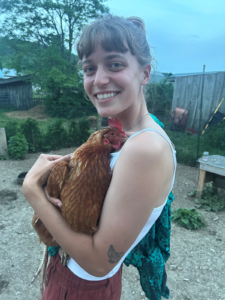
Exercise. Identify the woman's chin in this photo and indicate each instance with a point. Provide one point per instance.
(105, 112)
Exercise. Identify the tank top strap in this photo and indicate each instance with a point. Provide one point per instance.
(114, 156)
(171, 146)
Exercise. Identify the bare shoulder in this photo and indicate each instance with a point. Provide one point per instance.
(148, 145)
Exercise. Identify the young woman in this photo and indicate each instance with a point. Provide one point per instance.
(116, 62)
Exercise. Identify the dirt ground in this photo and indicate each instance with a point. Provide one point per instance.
(38, 113)
(195, 269)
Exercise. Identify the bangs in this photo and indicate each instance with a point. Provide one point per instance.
(110, 37)
(114, 33)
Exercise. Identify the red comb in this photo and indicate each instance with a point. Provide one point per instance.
(115, 123)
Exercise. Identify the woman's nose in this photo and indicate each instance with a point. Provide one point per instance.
(101, 77)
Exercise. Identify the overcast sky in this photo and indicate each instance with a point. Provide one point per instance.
(184, 34)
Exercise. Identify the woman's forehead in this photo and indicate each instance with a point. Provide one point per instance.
(105, 54)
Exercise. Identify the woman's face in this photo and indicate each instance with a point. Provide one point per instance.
(113, 81)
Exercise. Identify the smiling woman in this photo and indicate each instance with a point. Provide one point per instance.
(116, 61)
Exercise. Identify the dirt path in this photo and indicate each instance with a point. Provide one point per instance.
(195, 269)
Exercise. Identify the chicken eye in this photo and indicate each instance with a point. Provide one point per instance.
(112, 133)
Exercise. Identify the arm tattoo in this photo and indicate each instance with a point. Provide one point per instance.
(113, 255)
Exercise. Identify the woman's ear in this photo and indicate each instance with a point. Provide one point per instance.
(146, 74)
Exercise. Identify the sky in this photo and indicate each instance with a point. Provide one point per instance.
(184, 35)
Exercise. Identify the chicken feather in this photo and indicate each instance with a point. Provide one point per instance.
(82, 183)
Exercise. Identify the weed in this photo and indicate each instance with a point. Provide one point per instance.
(188, 218)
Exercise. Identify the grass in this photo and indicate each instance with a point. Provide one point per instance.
(4, 119)
(186, 147)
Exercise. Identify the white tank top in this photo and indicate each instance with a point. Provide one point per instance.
(77, 270)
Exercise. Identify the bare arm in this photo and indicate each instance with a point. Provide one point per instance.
(141, 168)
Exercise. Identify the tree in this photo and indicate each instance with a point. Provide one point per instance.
(38, 38)
(41, 20)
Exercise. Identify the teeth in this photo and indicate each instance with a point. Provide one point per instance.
(105, 96)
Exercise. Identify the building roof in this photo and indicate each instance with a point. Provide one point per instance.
(15, 79)
(173, 77)
(156, 77)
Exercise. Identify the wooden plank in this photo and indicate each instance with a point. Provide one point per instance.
(213, 169)
(201, 182)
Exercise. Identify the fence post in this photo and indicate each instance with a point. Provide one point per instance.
(3, 142)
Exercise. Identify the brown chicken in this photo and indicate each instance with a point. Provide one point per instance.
(82, 183)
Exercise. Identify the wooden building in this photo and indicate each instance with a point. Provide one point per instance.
(187, 94)
(16, 92)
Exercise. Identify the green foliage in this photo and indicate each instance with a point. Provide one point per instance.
(37, 37)
(84, 127)
(211, 200)
(186, 147)
(215, 135)
(73, 135)
(55, 137)
(188, 218)
(17, 146)
(11, 129)
(3, 157)
(159, 97)
(67, 104)
(32, 133)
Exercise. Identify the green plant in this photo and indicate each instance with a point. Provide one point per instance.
(11, 129)
(215, 135)
(17, 146)
(188, 218)
(84, 127)
(3, 157)
(55, 137)
(32, 133)
(211, 200)
(159, 97)
(73, 136)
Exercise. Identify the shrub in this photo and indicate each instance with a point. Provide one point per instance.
(73, 136)
(55, 137)
(32, 133)
(159, 97)
(215, 136)
(188, 218)
(17, 146)
(11, 129)
(84, 127)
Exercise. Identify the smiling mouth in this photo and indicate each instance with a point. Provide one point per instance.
(106, 95)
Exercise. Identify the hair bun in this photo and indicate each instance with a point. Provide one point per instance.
(137, 22)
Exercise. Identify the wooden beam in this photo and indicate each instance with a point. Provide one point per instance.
(201, 183)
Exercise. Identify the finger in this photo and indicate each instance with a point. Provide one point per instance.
(55, 201)
(59, 158)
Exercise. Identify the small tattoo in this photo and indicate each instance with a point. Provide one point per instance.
(113, 255)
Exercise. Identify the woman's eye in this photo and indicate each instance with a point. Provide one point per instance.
(88, 70)
(116, 65)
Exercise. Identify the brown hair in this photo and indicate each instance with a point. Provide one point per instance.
(116, 34)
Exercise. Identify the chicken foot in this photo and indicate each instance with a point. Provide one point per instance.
(42, 264)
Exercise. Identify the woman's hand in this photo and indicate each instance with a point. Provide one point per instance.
(38, 175)
(55, 201)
